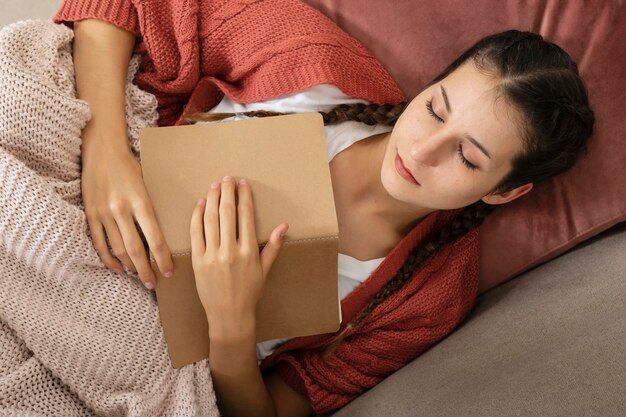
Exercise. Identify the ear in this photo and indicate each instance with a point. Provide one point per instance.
(507, 196)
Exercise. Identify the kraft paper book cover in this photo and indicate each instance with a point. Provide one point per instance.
(284, 158)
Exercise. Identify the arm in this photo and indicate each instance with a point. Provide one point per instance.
(102, 52)
(230, 274)
(239, 386)
(111, 180)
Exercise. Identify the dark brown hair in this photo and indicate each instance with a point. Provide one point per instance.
(537, 78)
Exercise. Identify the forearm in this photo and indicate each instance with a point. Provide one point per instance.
(101, 53)
(236, 376)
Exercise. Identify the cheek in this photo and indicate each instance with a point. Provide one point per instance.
(413, 123)
(453, 186)
(418, 128)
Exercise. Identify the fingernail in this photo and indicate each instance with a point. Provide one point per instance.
(227, 178)
(243, 181)
(283, 232)
(216, 184)
(149, 285)
(119, 270)
(169, 274)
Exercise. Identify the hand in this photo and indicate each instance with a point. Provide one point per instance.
(229, 273)
(114, 195)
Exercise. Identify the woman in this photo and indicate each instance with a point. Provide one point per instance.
(508, 113)
(527, 118)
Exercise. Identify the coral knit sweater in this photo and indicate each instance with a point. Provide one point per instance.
(196, 51)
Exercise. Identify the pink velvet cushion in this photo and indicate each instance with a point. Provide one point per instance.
(416, 40)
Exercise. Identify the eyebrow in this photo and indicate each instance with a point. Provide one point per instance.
(467, 136)
(478, 145)
(445, 98)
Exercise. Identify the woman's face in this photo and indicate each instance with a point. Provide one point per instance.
(461, 151)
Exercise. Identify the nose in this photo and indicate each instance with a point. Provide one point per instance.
(428, 151)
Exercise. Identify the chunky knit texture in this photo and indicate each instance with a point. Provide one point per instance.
(78, 339)
(75, 338)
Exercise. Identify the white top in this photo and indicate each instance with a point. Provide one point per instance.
(352, 272)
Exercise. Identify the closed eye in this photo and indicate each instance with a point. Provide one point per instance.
(465, 161)
(429, 107)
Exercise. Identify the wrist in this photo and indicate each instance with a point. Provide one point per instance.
(232, 330)
(105, 140)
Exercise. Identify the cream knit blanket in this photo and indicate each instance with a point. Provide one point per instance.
(76, 339)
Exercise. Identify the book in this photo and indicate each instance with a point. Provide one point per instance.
(284, 159)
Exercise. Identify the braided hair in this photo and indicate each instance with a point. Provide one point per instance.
(370, 114)
(539, 79)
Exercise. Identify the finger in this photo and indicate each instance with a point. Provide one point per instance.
(228, 217)
(100, 245)
(212, 219)
(117, 243)
(136, 251)
(272, 248)
(245, 215)
(156, 241)
(197, 229)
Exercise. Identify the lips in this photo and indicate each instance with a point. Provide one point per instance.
(404, 173)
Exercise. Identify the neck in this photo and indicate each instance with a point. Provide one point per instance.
(370, 194)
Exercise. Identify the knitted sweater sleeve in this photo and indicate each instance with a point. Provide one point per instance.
(121, 13)
(409, 322)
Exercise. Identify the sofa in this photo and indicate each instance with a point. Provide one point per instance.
(546, 337)
(549, 342)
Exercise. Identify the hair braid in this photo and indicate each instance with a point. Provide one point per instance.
(581, 112)
(471, 217)
(370, 114)
(213, 117)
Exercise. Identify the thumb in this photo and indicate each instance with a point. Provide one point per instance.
(272, 248)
